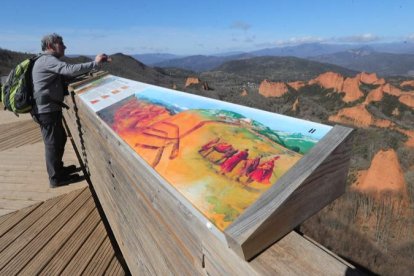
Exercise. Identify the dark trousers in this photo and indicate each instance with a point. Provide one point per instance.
(54, 137)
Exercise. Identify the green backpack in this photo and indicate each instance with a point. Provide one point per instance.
(17, 91)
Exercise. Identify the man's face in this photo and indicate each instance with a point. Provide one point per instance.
(58, 49)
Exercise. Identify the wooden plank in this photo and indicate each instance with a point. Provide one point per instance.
(4, 212)
(10, 234)
(308, 257)
(45, 189)
(41, 258)
(4, 128)
(30, 187)
(10, 173)
(16, 204)
(80, 261)
(114, 268)
(316, 180)
(46, 234)
(9, 117)
(220, 260)
(16, 218)
(58, 263)
(25, 195)
(21, 142)
(15, 239)
(101, 260)
(291, 255)
(18, 134)
(24, 181)
(326, 250)
(5, 217)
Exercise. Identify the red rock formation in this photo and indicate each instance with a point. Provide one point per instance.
(351, 89)
(296, 85)
(350, 86)
(375, 95)
(272, 89)
(370, 78)
(329, 80)
(358, 116)
(407, 99)
(408, 83)
(392, 90)
(191, 81)
(384, 174)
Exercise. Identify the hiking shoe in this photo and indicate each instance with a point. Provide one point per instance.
(65, 180)
(70, 169)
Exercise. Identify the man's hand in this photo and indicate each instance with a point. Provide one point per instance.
(102, 58)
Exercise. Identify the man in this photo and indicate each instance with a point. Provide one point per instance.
(49, 91)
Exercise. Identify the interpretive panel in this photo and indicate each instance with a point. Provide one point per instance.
(220, 156)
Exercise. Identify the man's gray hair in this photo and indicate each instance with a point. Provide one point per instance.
(50, 39)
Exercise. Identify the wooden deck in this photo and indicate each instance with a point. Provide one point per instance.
(61, 236)
(23, 176)
(46, 231)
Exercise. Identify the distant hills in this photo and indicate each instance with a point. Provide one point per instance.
(8, 59)
(201, 63)
(241, 67)
(151, 59)
(384, 59)
(279, 68)
(381, 63)
(368, 60)
(303, 50)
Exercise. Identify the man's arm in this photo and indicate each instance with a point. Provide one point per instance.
(60, 67)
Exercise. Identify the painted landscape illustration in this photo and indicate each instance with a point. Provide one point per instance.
(220, 160)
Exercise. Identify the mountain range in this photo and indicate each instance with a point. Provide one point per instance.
(368, 60)
(380, 61)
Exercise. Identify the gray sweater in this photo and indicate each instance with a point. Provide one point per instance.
(47, 81)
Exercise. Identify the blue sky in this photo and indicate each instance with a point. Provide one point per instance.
(201, 27)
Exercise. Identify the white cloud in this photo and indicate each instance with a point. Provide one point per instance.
(410, 37)
(316, 39)
(298, 40)
(359, 38)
